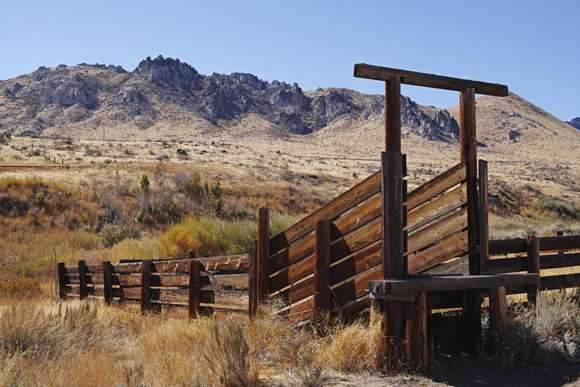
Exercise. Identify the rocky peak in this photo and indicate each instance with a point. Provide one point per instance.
(169, 71)
(575, 123)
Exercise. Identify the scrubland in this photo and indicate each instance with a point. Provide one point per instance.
(65, 200)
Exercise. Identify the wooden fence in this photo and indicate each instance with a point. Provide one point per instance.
(216, 286)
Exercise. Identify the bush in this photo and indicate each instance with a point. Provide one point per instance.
(113, 234)
(557, 208)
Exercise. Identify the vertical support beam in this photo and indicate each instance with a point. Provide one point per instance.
(497, 316)
(471, 319)
(61, 281)
(322, 266)
(417, 334)
(83, 280)
(194, 288)
(483, 217)
(533, 265)
(146, 285)
(253, 280)
(263, 253)
(108, 282)
(393, 114)
(392, 213)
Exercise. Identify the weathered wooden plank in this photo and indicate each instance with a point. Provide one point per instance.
(393, 114)
(355, 304)
(483, 217)
(357, 263)
(355, 287)
(443, 283)
(253, 280)
(107, 282)
(506, 265)
(357, 218)
(334, 208)
(231, 298)
(302, 311)
(362, 70)
(563, 281)
(441, 229)
(436, 186)
(508, 246)
(437, 206)
(555, 261)
(566, 242)
(83, 279)
(146, 294)
(498, 321)
(62, 280)
(448, 249)
(263, 253)
(295, 253)
(392, 216)
(322, 266)
(460, 266)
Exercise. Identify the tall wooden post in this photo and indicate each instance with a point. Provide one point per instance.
(468, 145)
(253, 280)
(83, 280)
(263, 253)
(61, 281)
(146, 285)
(533, 265)
(194, 288)
(108, 282)
(322, 266)
(483, 217)
(417, 334)
(392, 209)
(498, 322)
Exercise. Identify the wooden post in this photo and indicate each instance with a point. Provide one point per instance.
(61, 281)
(322, 267)
(417, 334)
(253, 280)
(194, 288)
(146, 285)
(263, 253)
(560, 233)
(498, 322)
(192, 255)
(471, 319)
(108, 282)
(393, 217)
(483, 217)
(393, 114)
(533, 265)
(82, 280)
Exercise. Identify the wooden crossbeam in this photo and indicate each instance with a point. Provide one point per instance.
(379, 73)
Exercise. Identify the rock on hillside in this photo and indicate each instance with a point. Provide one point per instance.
(575, 123)
(167, 92)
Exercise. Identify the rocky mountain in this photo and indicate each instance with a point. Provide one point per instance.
(164, 92)
(575, 123)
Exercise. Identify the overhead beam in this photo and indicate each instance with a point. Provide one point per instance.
(379, 73)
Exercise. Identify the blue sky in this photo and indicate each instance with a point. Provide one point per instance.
(531, 46)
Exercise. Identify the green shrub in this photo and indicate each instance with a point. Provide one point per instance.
(113, 234)
(557, 208)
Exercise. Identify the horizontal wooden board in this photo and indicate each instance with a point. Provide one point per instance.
(293, 254)
(333, 209)
(355, 287)
(436, 186)
(355, 304)
(459, 266)
(442, 283)
(507, 265)
(556, 261)
(441, 229)
(564, 281)
(301, 311)
(437, 254)
(507, 246)
(437, 206)
(362, 70)
(357, 218)
(566, 242)
(357, 263)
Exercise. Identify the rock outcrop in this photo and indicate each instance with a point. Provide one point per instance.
(575, 123)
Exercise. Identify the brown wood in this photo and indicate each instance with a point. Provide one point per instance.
(379, 73)
(62, 281)
(146, 269)
(471, 319)
(393, 114)
(507, 265)
(334, 208)
(436, 208)
(82, 279)
(194, 288)
(437, 254)
(357, 263)
(322, 266)
(357, 218)
(355, 287)
(392, 196)
(468, 146)
(416, 342)
(294, 253)
(555, 261)
(498, 321)
(483, 217)
(436, 186)
(441, 229)
(444, 283)
(533, 261)
(508, 246)
(215, 298)
(562, 281)
(567, 242)
(253, 280)
(459, 266)
(263, 253)
(107, 282)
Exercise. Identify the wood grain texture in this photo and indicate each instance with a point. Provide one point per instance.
(62, 281)
(107, 282)
(436, 208)
(392, 215)
(441, 229)
(437, 254)
(393, 114)
(263, 253)
(194, 288)
(533, 263)
(483, 217)
(508, 246)
(253, 280)
(145, 290)
(82, 279)
(498, 321)
(416, 343)
(453, 176)
(322, 266)
(362, 70)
